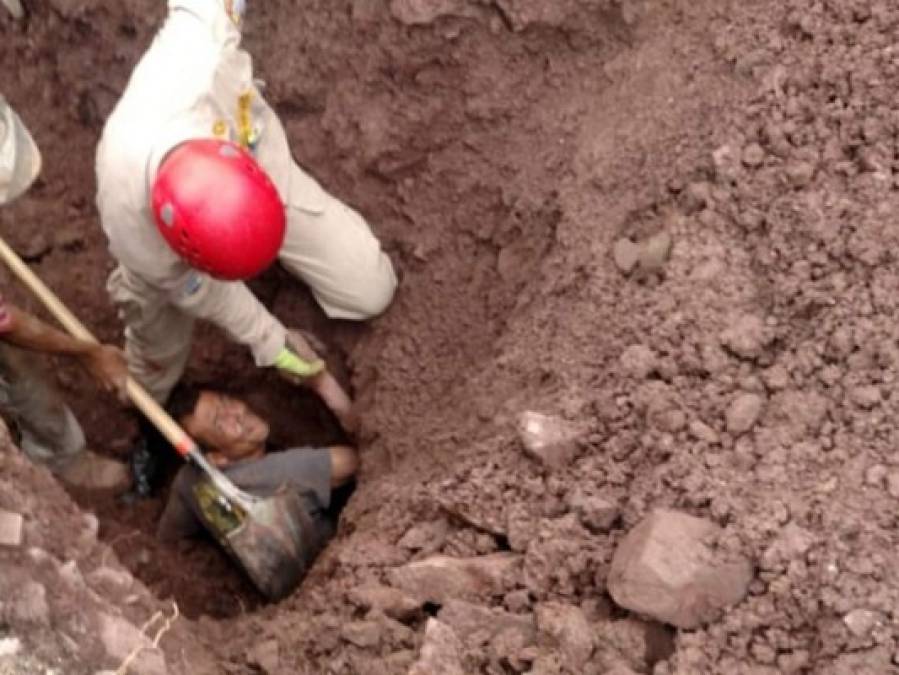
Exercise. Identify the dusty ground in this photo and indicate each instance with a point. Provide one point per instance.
(502, 149)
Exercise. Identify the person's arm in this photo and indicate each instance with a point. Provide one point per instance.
(105, 362)
(178, 520)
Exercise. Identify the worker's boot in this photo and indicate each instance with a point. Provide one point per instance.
(88, 470)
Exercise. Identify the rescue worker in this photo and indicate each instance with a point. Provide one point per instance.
(234, 439)
(49, 432)
(198, 191)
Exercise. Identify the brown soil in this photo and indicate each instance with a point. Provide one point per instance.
(501, 149)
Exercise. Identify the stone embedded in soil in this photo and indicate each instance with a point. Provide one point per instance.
(861, 622)
(10, 528)
(110, 581)
(626, 255)
(747, 336)
(638, 361)
(893, 484)
(395, 604)
(597, 514)
(441, 651)
(120, 638)
(566, 627)
(29, 604)
(800, 174)
(640, 643)
(743, 412)
(547, 438)
(753, 155)
(425, 536)
(665, 569)
(655, 251)
(265, 656)
(865, 397)
(477, 625)
(363, 634)
(441, 578)
(9, 646)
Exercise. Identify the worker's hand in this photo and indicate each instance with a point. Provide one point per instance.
(298, 361)
(108, 367)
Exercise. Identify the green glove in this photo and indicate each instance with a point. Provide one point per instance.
(293, 364)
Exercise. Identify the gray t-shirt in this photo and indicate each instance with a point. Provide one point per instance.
(306, 470)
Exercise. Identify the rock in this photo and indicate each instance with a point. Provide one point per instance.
(638, 361)
(655, 251)
(10, 646)
(747, 336)
(265, 656)
(565, 627)
(442, 578)
(363, 634)
(509, 645)
(120, 638)
(743, 413)
(110, 581)
(640, 643)
(10, 528)
(791, 543)
(390, 601)
(422, 12)
(753, 155)
(441, 652)
(29, 605)
(861, 622)
(703, 432)
(549, 439)
(665, 569)
(626, 255)
(476, 625)
(596, 513)
(425, 536)
(893, 484)
(875, 475)
(865, 397)
(800, 174)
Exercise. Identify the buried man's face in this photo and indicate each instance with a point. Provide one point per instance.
(227, 427)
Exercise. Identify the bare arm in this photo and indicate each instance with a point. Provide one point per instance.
(104, 362)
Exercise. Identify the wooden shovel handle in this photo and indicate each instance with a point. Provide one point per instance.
(168, 427)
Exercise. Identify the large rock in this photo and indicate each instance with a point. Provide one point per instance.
(441, 652)
(566, 627)
(548, 439)
(441, 578)
(665, 569)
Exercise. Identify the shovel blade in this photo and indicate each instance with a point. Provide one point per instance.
(273, 543)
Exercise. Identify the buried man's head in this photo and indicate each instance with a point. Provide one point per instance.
(224, 426)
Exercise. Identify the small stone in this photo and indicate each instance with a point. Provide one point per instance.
(747, 336)
(10, 646)
(549, 439)
(266, 657)
(893, 484)
(120, 638)
(626, 255)
(876, 475)
(596, 513)
(865, 397)
(703, 432)
(10, 528)
(638, 361)
(655, 251)
(441, 578)
(425, 536)
(743, 413)
(800, 174)
(753, 155)
(393, 603)
(363, 634)
(565, 627)
(518, 601)
(441, 651)
(861, 622)
(477, 625)
(29, 604)
(110, 581)
(665, 569)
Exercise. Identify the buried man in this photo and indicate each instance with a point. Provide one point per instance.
(50, 434)
(234, 439)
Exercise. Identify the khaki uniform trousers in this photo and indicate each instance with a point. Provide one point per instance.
(327, 245)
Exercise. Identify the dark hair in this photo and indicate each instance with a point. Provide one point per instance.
(182, 401)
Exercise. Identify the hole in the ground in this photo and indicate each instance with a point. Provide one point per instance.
(196, 572)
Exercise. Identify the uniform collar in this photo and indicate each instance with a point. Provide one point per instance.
(211, 13)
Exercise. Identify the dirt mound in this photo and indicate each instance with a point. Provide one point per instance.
(665, 225)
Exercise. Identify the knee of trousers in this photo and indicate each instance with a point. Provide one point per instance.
(369, 300)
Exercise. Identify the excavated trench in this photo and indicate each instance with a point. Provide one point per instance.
(518, 158)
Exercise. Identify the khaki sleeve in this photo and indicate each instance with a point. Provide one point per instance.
(232, 307)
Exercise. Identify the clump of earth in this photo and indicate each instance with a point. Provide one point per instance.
(644, 340)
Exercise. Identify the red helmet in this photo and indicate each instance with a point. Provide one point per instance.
(218, 209)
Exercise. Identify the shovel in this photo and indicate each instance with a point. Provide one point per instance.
(265, 535)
